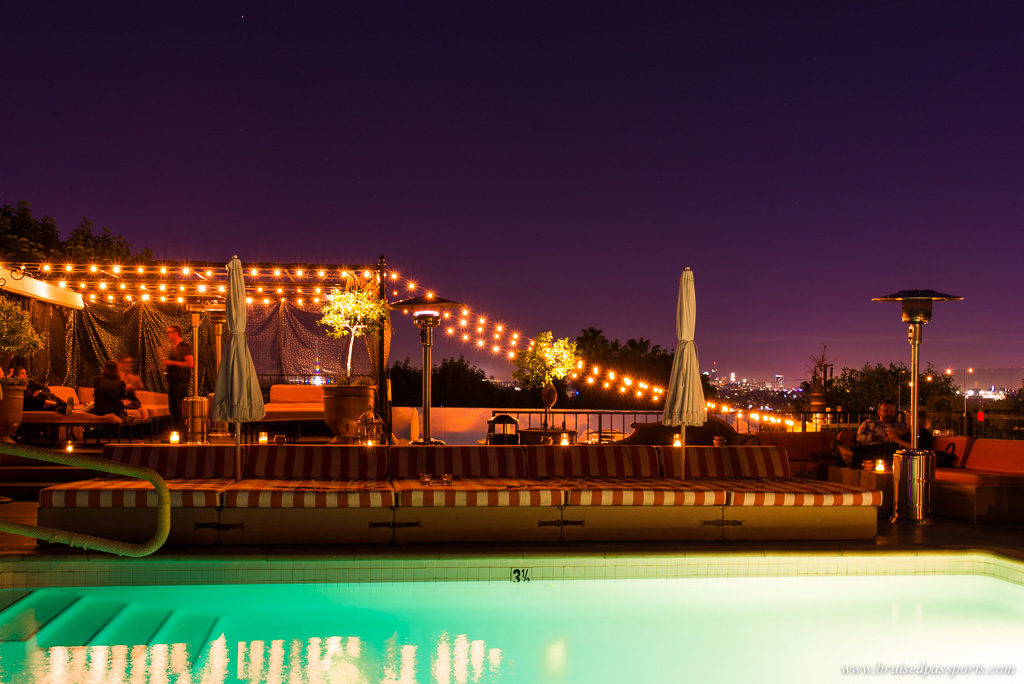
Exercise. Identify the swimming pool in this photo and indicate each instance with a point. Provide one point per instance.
(715, 629)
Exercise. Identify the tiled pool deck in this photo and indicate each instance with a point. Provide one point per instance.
(947, 547)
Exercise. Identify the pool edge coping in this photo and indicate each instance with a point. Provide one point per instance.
(90, 570)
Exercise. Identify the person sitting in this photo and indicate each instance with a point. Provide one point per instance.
(133, 383)
(38, 396)
(110, 394)
(876, 437)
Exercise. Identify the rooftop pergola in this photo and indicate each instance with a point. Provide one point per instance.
(205, 284)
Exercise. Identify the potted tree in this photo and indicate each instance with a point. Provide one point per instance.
(351, 314)
(545, 361)
(17, 339)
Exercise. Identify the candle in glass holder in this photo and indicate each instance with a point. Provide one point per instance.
(677, 440)
(262, 438)
(174, 438)
(69, 447)
(880, 466)
(369, 442)
(565, 439)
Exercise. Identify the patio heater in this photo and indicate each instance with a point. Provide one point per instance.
(913, 469)
(218, 316)
(427, 311)
(194, 409)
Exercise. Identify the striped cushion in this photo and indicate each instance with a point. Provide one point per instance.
(477, 492)
(309, 494)
(316, 462)
(730, 461)
(460, 461)
(132, 494)
(592, 460)
(640, 492)
(184, 461)
(749, 492)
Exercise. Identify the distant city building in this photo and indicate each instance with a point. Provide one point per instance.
(732, 377)
(780, 381)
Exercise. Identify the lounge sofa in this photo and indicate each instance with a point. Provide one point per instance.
(810, 453)
(491, 496)
(988, 487)
(298, 494)
(346, 494)
(71, 425)
(125, 508)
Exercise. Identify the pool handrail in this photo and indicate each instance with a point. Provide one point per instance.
(86, 541)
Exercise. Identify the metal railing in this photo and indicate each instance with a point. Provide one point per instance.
(591, 424)
(86, 541)
(995, 424)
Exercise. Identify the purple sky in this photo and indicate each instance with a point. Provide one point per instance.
(557, 164)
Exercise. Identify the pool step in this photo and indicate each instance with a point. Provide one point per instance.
(79, 624)
(49, 618)
(24, 618)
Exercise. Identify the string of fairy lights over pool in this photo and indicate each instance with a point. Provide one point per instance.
(306, 285)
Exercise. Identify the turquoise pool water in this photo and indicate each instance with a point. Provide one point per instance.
(673, 630)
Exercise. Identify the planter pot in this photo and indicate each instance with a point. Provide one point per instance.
(10, 411)
(343, 404)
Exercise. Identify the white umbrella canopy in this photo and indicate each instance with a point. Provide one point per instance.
(238, 398)
(684, 401)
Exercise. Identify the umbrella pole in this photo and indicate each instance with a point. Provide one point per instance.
(238, 450)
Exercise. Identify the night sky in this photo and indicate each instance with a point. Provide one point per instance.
(556, 164)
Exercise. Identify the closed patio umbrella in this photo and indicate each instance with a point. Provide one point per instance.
(684, 402)
(238, 398)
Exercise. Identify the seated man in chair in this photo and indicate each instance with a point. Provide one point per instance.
(876, 437)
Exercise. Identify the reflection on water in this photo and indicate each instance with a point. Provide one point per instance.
(331, 660)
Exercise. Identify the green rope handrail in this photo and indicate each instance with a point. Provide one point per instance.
(87, 541)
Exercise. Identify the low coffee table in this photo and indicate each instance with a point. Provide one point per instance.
(866, 479)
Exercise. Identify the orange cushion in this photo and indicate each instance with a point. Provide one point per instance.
(478, 492)
(774, 492)
(294, 411)
(132, 494)
(978, 478)
(297, 394)
(639, 491)
(958, 446)
(309, 494)
(1001, 455)
(727, 461)
(800, 446)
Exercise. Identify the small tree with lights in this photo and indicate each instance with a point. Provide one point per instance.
(351, 314)
(546, 360)
(17, 336)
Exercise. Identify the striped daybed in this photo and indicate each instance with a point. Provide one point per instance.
(125, 508)
(619, 492)
(491, 497)
(764, 502)
(294, 494)
(304, 494)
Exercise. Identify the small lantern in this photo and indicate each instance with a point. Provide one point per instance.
(262, 438)
(369, 429)
(677, 440)
(174, 438)
(69, 447)
(880, 466)
(565, 439)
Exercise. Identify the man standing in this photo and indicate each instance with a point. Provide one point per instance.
(178, 364)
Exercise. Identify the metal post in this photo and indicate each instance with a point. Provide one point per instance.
(383, 388)
(915, 360)
(427, 339)
(195, 353)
